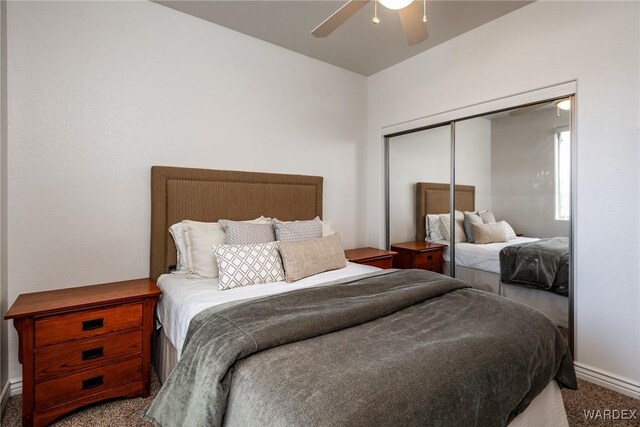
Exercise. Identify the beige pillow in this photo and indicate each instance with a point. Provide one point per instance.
(488, 233)
(200, 238)
(309, 257)
(461, 236)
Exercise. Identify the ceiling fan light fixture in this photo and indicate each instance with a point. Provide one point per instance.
(395, 4)
(565, 104)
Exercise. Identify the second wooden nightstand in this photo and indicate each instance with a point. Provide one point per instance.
(370, 256)
(423, 255)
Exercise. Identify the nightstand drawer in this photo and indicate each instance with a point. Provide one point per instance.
(383, 263)
(84, 324)
(80, 385)
(427, 259)
(68, 358)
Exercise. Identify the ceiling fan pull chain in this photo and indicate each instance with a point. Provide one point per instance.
(375, 12)
(424, 10)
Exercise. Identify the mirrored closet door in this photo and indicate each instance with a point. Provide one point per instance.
(511, 178)
(415, 159)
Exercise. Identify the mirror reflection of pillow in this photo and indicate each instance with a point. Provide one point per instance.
(487, 216)
(489, 233)
(432, 227)
(471, 218)
(444, 227)
(508, 230)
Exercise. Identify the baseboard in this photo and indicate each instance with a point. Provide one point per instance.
(16, 386)
(4, 397)
(608, 380)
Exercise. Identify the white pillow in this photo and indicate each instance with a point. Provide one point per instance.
(177, 232)
(445, 220)
(200, 238)
(327, 228)
(508, 230)
(432, 228)
(244, 265)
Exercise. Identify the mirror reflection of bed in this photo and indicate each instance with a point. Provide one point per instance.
(512, 266)
(511, 166)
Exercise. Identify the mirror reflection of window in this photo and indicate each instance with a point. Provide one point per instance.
(563, 175)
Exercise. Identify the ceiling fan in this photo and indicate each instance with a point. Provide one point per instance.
(412, 17)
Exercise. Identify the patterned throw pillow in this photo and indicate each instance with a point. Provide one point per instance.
(247, 233)
(243, 265)
(297, 231)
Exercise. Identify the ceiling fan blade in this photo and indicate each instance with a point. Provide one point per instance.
(338, 18)
(414, 29)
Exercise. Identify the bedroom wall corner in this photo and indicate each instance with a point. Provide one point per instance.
(4, 363)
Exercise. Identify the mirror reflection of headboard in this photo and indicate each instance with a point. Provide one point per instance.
(433, 198)
(209, 195)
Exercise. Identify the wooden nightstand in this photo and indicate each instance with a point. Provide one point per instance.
(370, 256)
(423, 255)
(81, 345)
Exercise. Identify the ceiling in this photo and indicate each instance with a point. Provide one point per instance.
(358, 45)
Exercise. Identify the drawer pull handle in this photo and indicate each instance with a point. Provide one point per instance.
(429, 257)
(93, 353)
(92, 382)
(89, 325)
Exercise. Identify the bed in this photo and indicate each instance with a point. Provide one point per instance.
(479, 265)
(323, 386)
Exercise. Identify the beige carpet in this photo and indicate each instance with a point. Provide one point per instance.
(126, 412)
(590, 397)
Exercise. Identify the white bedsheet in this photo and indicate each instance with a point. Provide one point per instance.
(183, 298)
(482, 257)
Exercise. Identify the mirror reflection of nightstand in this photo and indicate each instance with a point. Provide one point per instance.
(422, 255)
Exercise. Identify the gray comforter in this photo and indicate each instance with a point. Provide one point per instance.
(543, 264)
(408, 347)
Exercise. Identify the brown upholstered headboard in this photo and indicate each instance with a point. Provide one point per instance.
(210, 195)
(433, 198)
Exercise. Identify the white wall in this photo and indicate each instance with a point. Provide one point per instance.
(417, 157)
(473, 158)
(100, 91)
(4, 377)
(543, 44)
(523, 173)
